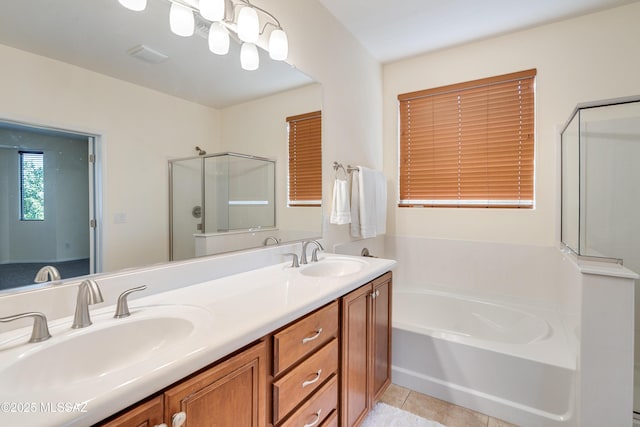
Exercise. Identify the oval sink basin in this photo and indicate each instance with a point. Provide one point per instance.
(106, 347)
(333, 267)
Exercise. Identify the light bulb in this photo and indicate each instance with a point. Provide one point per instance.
(136, 5)
(213, 10)
(218, 39)
(181, 20)
(278, 45)
(249, 59)
(248, 25)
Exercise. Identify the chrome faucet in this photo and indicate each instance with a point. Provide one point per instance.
(314, 258)
(40, 330)
(271, 239)
(47, 273)
(88, 293)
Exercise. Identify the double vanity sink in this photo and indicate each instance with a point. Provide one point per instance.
(81, 376)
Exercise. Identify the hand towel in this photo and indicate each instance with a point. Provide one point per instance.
(368, 217)
(340, 211)
(381, 203)
(355, 204)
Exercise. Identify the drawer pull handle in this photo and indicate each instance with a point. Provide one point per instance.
(313, 337)
(316, 420)
(315, 380)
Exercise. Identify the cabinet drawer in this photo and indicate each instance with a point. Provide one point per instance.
(296, 385)
(331, 421)
(296, 341)
(317, 408)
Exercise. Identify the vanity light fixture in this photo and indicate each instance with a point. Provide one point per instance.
(249, 58)
(181, 20)
(135, 5)
(212, 10)
(248, 25)
(218, 39)
(225, 19)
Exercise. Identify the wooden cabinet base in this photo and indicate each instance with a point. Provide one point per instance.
(366, 348)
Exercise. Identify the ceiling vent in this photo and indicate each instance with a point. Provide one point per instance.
(146, 54)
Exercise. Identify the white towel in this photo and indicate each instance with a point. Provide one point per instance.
(368, 219)
(355, 204)
(381, 203)
(372, 203)
(340, 211)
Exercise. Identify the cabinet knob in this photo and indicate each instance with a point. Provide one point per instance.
(316, 420)
(313, 337)
(160, 425)
(177, 420)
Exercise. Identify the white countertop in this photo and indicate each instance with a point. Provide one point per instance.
(243, 308)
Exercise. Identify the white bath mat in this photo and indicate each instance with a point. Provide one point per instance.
(384, 415)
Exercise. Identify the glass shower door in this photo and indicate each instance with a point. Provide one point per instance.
(186, 207)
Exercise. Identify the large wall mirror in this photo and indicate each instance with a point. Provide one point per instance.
(228, 110)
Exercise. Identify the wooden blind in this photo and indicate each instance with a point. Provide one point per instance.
(305, 159)
(469, 144)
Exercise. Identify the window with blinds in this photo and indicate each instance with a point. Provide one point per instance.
(469, 144)
(305, 159)
(31, 186)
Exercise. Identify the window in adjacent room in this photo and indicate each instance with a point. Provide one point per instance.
(31, 186)
(469, 144)
(305, 159)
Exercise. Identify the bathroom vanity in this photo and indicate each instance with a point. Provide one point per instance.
(275, 346)
(290, 377)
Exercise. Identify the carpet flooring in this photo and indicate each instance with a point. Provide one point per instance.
(20, 274)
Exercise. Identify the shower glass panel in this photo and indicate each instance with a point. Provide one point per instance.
(241, 193)
(600, 195)
(571, 185)
(218, 193)
(186, 206)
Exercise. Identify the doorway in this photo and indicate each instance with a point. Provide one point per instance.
(47, 203)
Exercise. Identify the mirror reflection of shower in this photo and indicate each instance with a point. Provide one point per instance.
(218, 193)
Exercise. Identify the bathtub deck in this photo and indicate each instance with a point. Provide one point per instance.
(438, 410)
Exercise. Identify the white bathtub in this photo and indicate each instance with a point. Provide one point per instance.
(512, 363)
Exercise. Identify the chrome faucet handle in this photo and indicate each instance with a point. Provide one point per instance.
(88, 293)
(122, 309)
(40, 330)
(294, 260)
(48, 273)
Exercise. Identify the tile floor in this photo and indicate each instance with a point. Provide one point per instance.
(445, 413)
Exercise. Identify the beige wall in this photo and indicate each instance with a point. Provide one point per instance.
(141, 130)
(583, 59)
(259, 128)
(352, 92)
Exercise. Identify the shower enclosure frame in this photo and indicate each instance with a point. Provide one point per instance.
(203, 190)
(576, 115)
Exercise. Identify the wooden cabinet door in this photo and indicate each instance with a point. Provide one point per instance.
(146, 414)
(230, 394)
(381, 335)
(355, 367)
